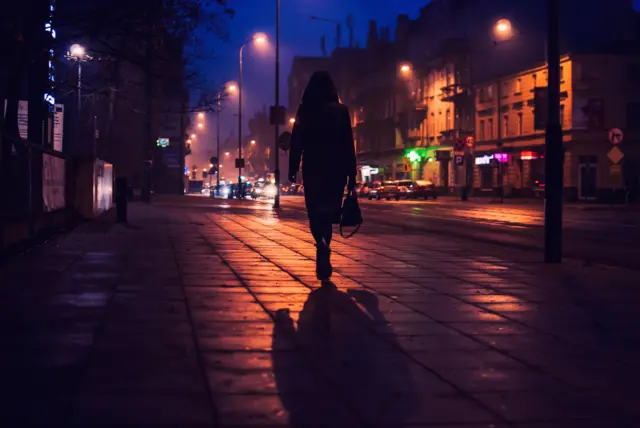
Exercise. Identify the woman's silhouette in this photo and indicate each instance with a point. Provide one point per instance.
(323, 139)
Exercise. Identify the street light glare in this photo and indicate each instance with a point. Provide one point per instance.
(77, 50)
(232, 88)
(292, 120)
(503, 28)
(200, 125)
(405, 68)
(260, 38)
(193, 136)
(201, 115)
(253, 141)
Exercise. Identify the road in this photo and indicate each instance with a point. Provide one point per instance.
(605, 236)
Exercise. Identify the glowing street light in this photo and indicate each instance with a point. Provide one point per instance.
(292, 120)
(193, 136)
(503, 29)
(256, 39)
(253, 142)
(405, 68)
(200, 115)
(227, 153)
(200, 125)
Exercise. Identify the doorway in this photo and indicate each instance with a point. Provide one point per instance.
(588, 177)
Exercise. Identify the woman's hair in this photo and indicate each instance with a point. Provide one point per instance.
(320, 90)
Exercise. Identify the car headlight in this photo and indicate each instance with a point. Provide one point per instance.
(271, 191)
(225, 190)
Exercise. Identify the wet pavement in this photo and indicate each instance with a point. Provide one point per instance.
(207, 313)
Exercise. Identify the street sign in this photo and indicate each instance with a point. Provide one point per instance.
(458, 146)
(616, 169)
(470, 141)
(240, 163)
(284, 141)
(162, 142)
(616, 136)
(458, 160)
(615, 155)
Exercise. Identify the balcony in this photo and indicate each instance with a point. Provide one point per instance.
(454, 93)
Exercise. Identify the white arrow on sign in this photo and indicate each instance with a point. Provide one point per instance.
(616, 135)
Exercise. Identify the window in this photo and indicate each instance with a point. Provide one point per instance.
(448, 120)
(545, 78)
(481, 131)
(562, 115)
(489, 93)
(505, 123)
(481, 95)
(520, 124)
(518, 86)
(505, 89)
(490, 133)
(534, 79)
(561, 74)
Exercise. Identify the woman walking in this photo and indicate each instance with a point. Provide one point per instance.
(323, 139)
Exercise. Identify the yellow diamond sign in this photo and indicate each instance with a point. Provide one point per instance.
(615, 155)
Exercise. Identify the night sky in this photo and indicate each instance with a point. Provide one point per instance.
(299, 36)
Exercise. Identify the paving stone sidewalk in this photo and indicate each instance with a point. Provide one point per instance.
(206, 313)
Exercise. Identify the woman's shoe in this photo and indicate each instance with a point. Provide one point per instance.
(323, 262)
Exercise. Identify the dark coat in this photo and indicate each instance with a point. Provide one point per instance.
(322, 137)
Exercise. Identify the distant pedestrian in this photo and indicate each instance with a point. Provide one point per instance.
(322, 137)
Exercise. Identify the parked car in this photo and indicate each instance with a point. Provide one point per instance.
(264, 190)
(421, 189)
(387, 190)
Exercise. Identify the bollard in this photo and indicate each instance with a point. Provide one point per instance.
(121, 199)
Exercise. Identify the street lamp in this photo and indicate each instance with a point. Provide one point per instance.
(78, 53)
(200, 125)
(200, 115)
(405, 69)
(253, 142)
(503, 29)
(258, 39)
(292, 120)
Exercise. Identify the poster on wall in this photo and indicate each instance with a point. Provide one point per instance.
(58, 126)
(23, 118)
(53, 174)
(103, 190)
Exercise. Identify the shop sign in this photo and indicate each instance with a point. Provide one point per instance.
(501, 157)
(528, 155)
(373, 171)
(486, 159)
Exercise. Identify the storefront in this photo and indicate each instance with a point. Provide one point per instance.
(491, 171)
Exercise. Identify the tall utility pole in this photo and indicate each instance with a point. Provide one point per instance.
(240, 193)
(276, 151)
(553, 144)
(218, 145)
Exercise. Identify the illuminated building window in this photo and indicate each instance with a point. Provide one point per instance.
(490, 130)
(481, 136)
(506, 125)
(518, 86)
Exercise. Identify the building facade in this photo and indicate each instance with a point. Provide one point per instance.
(599, 93)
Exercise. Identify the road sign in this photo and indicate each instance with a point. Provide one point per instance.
(470, 141)
(458, 146)
(615, 155)
(458, 160)
(240, 163)
(284, 141)
(616, 169)
(616, 136)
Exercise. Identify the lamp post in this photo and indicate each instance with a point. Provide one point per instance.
(230, 88)
(276, 171)
(258, 39)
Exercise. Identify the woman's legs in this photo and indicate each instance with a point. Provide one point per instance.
(322, 230)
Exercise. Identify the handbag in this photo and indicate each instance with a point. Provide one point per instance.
(351, 215)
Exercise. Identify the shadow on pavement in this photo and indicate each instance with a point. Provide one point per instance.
(359, 369)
